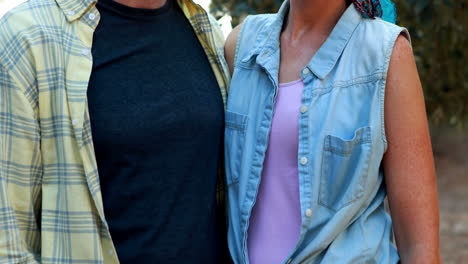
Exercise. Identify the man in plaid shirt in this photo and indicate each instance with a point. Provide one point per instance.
(136, 87)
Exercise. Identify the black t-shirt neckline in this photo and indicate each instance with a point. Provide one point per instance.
(135, 13)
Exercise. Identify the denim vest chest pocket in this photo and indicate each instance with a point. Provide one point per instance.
(234, 138)
(345, 165)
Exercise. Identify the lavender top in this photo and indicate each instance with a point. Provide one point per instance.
(276, 217)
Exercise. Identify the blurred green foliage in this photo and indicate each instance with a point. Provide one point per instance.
(440, 42)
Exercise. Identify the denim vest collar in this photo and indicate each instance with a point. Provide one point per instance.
(324, 60)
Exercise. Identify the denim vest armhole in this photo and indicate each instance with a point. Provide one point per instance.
(389, 45)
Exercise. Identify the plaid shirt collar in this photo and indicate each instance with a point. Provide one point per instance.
(74, 9)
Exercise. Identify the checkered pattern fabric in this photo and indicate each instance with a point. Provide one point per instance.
(51, 209)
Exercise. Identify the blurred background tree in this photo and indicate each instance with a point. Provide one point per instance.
(440, 41)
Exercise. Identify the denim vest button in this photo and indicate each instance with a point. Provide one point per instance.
(304, 160)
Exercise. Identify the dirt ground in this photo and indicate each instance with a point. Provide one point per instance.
(451, 154)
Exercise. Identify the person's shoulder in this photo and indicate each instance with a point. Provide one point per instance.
(377, 37)
(252, 27)
(26, 21)
(28, 14)
(230, 46)
(29, 10)
(13, 12)
(257, 22)
(254, 23)
(381, 29)
(402, 54)
(371, 46)
(263, 17)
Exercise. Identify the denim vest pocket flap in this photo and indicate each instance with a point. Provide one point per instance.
(236, 121)
(345, 147)
(344, 169)
(234, 138)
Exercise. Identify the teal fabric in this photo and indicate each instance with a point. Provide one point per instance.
(389, 12)
(384, 9)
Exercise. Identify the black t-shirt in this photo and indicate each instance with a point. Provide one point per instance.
(157, 123)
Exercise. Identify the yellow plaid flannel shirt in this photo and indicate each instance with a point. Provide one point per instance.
(51, 209)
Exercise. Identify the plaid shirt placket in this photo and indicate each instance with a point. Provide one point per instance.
(50, 201)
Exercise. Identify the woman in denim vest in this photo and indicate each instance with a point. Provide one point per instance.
(326, 117)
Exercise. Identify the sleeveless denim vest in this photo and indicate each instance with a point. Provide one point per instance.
(341, 138)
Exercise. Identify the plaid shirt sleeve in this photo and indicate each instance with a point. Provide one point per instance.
(20, 173)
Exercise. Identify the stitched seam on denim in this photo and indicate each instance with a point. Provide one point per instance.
(240, 127)
(341, 206)
(322, 174)
(325, 90)
(358, 80)
(364, 137)
(254, 67)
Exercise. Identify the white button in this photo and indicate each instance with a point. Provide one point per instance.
(85, 52)
(110, 252)
(304, 160)
(92, 16)
(71, 13)
(289, 261)
(75, 122)
(308, 213)
(304, 109)
(305, 71)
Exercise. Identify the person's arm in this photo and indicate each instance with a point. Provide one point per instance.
(408, 163)
(20, 173)
(230, 47)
